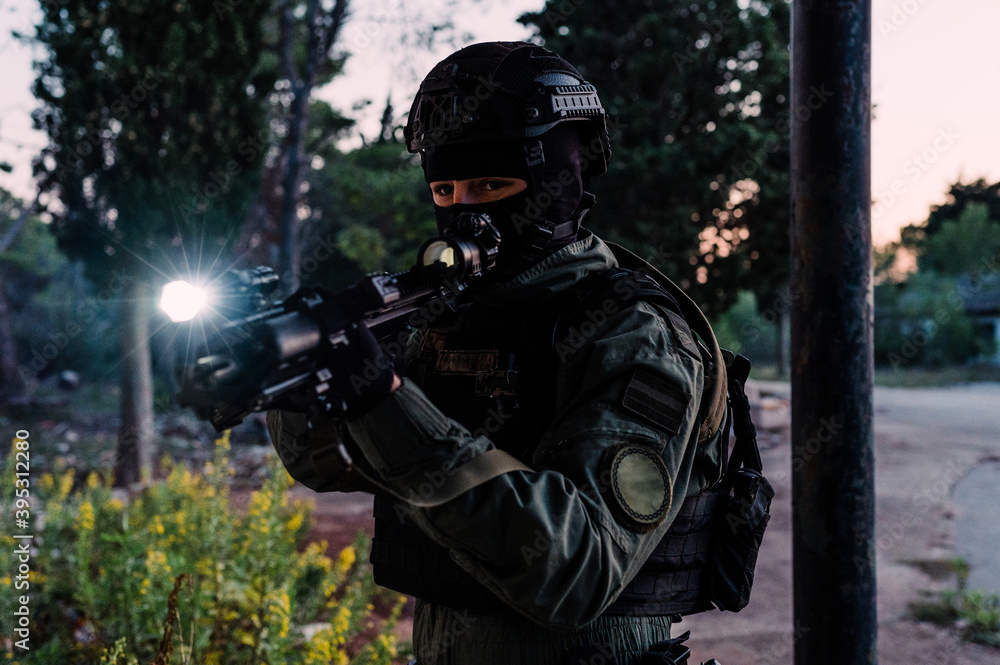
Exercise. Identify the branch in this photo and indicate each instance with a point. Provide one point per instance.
(12, 234)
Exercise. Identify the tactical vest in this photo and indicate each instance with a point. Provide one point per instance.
(493, 370)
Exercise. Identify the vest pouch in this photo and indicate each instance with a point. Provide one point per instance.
(739, 529)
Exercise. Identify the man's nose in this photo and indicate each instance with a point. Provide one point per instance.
(464, 194)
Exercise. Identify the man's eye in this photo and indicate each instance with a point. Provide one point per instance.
(442, 190)
(493, 185)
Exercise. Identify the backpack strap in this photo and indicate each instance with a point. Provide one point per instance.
(746, 453)
(714, 408)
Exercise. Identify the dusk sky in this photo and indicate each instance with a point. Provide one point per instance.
(936, 90)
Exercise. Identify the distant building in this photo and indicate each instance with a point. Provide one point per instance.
(981, 296)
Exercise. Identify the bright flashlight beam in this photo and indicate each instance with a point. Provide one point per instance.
(182, 300)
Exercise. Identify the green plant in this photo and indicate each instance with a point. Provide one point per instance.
(174, 574)
(976, 613)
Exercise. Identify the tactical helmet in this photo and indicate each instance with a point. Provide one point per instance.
(514, 108)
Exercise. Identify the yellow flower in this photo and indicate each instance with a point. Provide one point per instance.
(280, 610)
(156, 526)
(346, 559)
(85, 518)
(341, 623)
(65, 484)
(93, 481)
(47, 482)
(383, 646)
(320, 648)
(155, 560)
(295, 522)
(115, 504)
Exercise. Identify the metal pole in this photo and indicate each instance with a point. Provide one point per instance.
(833, 485)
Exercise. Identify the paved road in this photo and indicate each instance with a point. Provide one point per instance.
(927, 442)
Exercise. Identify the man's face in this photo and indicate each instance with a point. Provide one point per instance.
(475, 190)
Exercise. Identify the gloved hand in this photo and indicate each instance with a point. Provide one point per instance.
(363, 374)
(359, 374)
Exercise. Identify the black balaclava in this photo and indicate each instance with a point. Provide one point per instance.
(561, 197)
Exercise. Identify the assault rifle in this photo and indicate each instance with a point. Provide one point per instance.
(285, 352)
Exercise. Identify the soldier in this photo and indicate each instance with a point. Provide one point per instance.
(544, 436)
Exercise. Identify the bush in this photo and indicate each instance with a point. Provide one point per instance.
(923, 322)
(743, 329)
(174, 575)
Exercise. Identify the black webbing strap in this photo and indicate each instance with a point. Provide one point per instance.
(745, 450)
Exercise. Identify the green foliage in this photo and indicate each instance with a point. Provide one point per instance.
(58, 321)
(374, 203)
(976, 613)
(968, 244)
(923, 322)
(744, 329)
(960, 196)
(155, 114)
(176, 575)
(698, 96)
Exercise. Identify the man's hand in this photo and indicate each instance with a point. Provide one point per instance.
(363, 373)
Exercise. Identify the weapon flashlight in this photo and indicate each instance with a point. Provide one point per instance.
(182, 301)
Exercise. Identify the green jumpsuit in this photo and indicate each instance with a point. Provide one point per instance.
(558, 538)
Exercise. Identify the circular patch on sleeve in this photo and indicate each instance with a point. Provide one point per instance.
(639, 486)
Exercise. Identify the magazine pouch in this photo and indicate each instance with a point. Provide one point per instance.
(744, 503)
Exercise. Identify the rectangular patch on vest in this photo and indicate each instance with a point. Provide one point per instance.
(656, 400)
(466, 361)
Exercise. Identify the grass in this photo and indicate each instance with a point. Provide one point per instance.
(975, 613)
(921, 377)
(910, 377)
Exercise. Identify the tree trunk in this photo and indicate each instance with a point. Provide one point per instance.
(322, 29)
(134, 461)
(783, 343)
(12, 388)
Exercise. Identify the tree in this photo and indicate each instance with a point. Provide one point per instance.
(961, 235)
(374, 206)
(697, 92)
(156, 119)
(960, 196)
(923, 322)
(12, 387)
(967, 244)
(320, 24)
